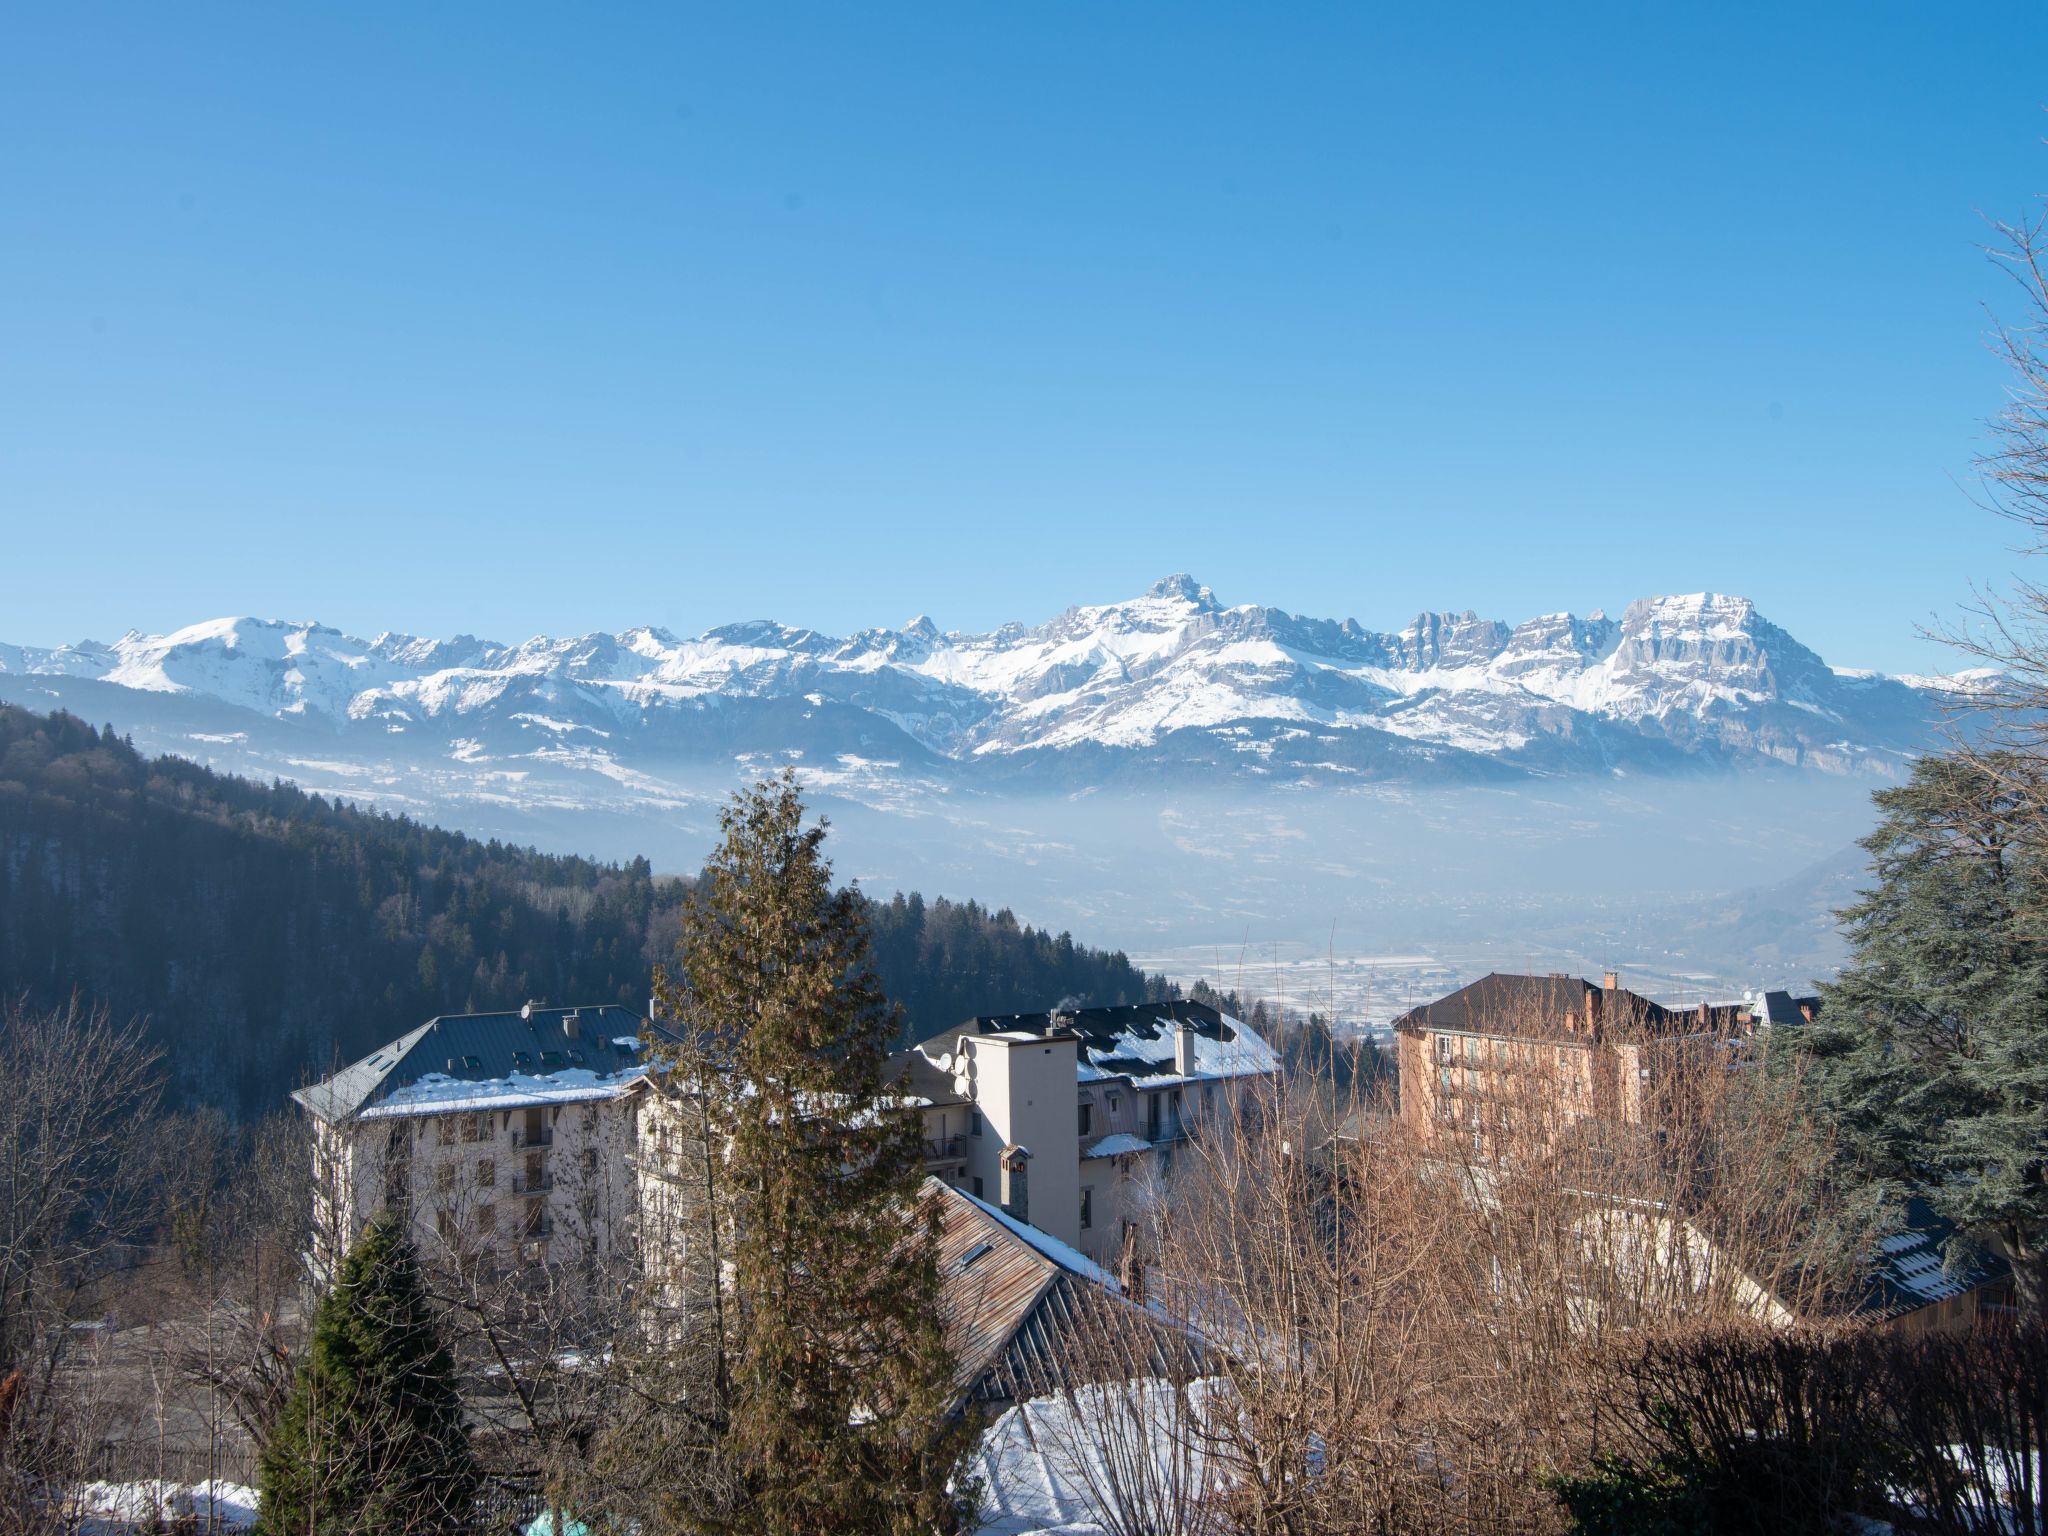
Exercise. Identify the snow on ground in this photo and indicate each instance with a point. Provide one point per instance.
(103, 1509)
(1038, 1461)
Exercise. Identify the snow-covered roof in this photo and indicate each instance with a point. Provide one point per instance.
(475, 1061)
(1118, 1145)
(1922, 1263)
(1136, 1041)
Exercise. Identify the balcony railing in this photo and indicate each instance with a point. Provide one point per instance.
(532, 1183)
(944, 1151)
(522, 1136)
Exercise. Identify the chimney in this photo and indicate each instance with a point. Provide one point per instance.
(1183, 1048)
(1611, 981)
(572, 1025)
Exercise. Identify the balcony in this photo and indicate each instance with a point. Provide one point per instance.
(949, 1150)
(532, 1183)
(527, 1136)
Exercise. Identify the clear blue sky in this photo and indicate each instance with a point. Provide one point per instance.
(514, 319)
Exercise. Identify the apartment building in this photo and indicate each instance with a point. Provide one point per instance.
(505, 1136)
(1067, 1120)
(1552, 1050)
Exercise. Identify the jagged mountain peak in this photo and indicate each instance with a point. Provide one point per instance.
(1183, 587)
(1170, 677)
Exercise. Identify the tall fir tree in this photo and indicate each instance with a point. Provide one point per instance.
(1930, 1055)
(372, 1437)
(832, 1365)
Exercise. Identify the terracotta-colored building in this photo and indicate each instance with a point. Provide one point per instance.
(1541, 1052)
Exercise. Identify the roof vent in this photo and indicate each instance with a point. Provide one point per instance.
(572, 1026)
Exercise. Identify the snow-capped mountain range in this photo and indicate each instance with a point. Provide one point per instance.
(1171, 681)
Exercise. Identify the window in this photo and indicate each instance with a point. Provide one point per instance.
(486, 1173)
(1087, 1207)
(1085, 1113)
(522, 1058)
(447, 1128)
(475, 1127)
(974, 1129)
(977, 1189)
(589, 1160)
(487, 1218)
(551, 1059)
(1112, 1103)
(444, 1178)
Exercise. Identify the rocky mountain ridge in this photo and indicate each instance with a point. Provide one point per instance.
(1170, 681)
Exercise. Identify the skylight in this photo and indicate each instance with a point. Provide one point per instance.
(978, 1251)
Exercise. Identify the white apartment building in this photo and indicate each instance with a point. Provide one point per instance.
(504, 1135)
(1068, 1120)
(526, 1137)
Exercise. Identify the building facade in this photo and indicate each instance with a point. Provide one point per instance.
(1542, 1053)
(1068, 1120)
(500, 1137)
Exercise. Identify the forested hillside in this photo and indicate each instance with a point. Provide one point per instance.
(269, 934)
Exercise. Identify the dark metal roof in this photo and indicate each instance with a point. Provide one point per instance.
(914, 1075)
(1129, 1041)
(482, 1048)
(1784, 1008)
(1926, 1261)
(1503, 1004)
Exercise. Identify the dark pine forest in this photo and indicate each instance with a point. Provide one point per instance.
(267, 934)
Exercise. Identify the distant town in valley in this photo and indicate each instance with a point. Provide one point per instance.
(1433, 925)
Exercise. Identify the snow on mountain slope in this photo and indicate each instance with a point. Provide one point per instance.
(1171, 678)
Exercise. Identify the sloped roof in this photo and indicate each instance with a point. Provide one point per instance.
(1135, 1041)
(1018, 1308)
(913, 1075)
(1118, 1145)
(1784, 1008)
(1925, 1262)
(996, 1294)
(1507, 1004)
(487, 1060)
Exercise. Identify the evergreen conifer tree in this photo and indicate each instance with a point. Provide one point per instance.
(1930, 1055)
(833, 1363)
(372, 1438)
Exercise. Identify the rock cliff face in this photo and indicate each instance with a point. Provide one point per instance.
(1167, 682)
